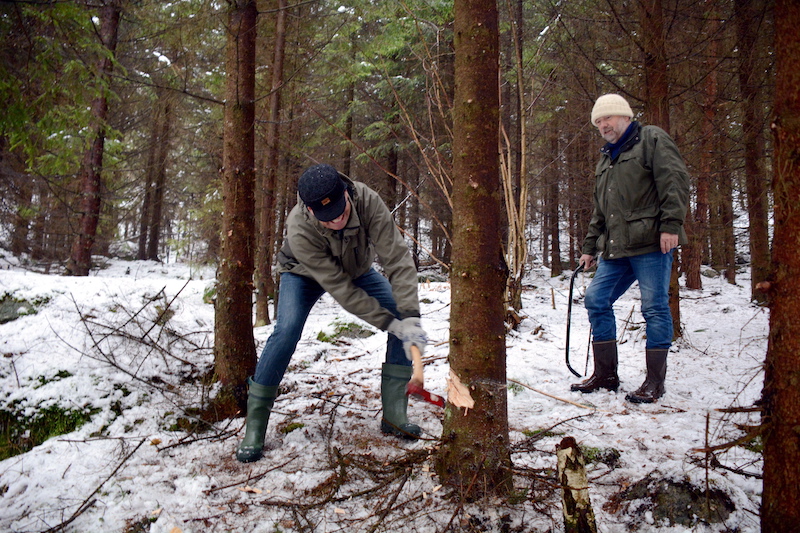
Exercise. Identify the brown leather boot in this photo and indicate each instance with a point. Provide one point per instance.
(605, 369)
(653, 387)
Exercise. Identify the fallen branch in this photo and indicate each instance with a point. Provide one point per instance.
(754, 409)
(461, 500)
(390, 505)
(89, 501)
(554, 397)
(749, 436)
(221, 434)
(546, 431)
(250, 479)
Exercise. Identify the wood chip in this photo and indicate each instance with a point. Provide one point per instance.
(458, 394)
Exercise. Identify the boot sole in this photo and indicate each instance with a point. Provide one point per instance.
(394, 431)
(249, 458)
(574, 388)
(639, 399)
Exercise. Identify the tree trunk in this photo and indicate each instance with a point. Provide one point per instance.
(516, 192)
(580, 186)
(748, 14)
(347, 157)
(575, 503)
(721, 234)
(265, 286)
(698, 236)
(147, 196)
(655, 64)
(551, 208)
(520, 125)
(159, 170)
(726, 219)
(475, 457)
(80, 260)
(234, 350)
(657, 106)
(156, 166)
(413, 180)
(392, 166)
(780, 507)
(12, 171)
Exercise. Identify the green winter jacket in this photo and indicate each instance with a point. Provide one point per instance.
(641, 194)
(335, 258)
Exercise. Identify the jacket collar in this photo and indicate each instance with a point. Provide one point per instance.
(631, 136)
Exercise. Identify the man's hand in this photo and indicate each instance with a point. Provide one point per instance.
(668, 242)
(410, 332)
(586, 260)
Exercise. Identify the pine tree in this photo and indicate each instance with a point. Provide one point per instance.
(475, 457)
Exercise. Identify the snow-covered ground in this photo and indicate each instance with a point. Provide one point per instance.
(132, 342)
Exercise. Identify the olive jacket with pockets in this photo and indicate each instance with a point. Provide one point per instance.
(641, 194)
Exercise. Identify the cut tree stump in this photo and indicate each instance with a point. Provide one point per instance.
(576, 506)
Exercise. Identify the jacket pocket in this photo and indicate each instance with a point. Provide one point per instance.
(601, 243)
(642, 227)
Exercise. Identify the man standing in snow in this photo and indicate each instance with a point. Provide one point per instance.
(332, 238)
(641, 196)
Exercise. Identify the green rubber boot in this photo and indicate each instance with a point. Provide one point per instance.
(394, 379)
(259, 405)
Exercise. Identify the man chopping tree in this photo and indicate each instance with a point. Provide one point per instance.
(333, 236)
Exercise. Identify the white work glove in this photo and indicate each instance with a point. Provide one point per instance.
(410, 332)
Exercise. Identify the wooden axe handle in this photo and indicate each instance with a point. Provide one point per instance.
(416, 359)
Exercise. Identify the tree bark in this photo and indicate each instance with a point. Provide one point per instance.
(159, 178)
(475, 458)
(780, 507)
(697, 248)
(350, 98)
(721, 234)
(580, 186)
(80, 260)
(551, 208)
(515, 175)
(265, 286)
(147, 196)
(234, 350)
(12, 171)
(657, 106)
(576, 505)
(747, 15)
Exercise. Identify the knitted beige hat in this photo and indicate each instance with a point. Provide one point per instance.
(610, 105)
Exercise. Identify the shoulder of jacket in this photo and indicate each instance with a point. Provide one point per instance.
(299, 215)
(360, 190)
(651, 131)
(365, 199)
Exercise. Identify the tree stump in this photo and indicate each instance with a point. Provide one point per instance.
(576, 506)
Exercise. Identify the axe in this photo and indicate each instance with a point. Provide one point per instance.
(415, 387)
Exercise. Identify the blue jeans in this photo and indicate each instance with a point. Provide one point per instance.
(297, 296)
(614, 277)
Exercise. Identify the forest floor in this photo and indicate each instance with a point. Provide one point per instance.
(124, 354)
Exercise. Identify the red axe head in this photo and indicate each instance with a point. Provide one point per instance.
(415, 390)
